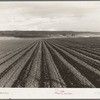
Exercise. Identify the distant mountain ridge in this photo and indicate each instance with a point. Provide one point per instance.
(45, 33)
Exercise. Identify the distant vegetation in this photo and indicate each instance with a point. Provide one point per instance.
(45, 33)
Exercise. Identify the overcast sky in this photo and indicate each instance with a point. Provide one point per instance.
(66, 15)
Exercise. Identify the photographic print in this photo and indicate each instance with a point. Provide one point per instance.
(50, 44)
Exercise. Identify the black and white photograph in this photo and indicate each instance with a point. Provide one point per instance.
(50, 44)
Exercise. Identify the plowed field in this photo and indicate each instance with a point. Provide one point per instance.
(50, 63)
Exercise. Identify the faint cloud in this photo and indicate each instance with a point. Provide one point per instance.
(71, 15)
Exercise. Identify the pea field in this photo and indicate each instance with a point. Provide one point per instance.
(50, 62)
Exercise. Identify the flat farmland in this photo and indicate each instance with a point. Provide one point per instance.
(8, 44)
(50, 62)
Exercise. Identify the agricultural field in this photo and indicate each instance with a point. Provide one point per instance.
(50, 62)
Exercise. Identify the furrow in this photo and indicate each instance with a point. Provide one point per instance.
(56, 78)
(6, 58)
(45, 79)
(21, 80)
(10, 63)
(33, 77)
(91, 61)
(74, 77)
(12, 75)
(84, 68)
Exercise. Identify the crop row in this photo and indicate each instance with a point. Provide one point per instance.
(51, 63)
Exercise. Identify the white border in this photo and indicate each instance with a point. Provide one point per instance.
(49, 93)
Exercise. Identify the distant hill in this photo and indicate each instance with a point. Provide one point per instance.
(46, 33)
